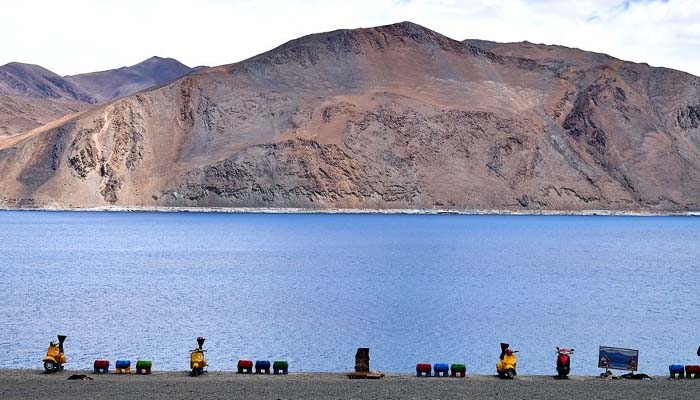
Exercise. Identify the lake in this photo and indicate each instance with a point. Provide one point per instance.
(311, 288)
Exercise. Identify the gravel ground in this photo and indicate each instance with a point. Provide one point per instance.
(30, 384)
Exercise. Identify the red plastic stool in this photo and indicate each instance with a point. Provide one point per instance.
(245, 366)
(101, 366)
(692, 371)
(423, 369)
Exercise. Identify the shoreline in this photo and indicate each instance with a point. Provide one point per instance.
(22, 384)
(357, 211)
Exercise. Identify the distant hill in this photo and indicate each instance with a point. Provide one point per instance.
(31, 96)
(114, 83)
(37, 82)
(396, 116)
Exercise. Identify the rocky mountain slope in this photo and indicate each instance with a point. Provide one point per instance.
(20, 114)
(396, 116)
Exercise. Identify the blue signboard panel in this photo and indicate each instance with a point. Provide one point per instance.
(618, 358)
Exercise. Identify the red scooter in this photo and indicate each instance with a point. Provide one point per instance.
(564, 362)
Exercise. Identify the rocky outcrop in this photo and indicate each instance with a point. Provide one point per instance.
(689, 117)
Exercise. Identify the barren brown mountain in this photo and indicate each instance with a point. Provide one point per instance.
(31, 96)
(115, 83)
(396, 116)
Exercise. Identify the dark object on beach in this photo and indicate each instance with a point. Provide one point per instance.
(79, 377)
(362, 366)
(632, 375)
(362, 360)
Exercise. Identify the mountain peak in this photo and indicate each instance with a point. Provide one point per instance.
(111, 84)
(312, 49)
(159, 60)
(405, 28)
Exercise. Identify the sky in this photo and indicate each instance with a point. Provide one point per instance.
(76, 36)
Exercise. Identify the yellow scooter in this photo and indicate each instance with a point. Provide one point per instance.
(55, 358)
(197, 359)
(506, 366)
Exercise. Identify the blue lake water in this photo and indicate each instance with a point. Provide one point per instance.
(312, 288)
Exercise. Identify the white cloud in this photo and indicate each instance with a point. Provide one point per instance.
(77, 36)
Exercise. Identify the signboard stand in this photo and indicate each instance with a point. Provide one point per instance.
(617, 358)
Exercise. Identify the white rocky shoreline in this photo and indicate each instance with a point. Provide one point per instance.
(388, 211)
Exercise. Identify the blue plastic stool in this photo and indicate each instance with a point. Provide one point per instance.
(262, 367)
(122, 367)
(441, 369)
(676, 369)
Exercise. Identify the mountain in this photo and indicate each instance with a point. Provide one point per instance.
(397, 116)
(31, 96)
(111, 84)
(37, 82)
(20, 114)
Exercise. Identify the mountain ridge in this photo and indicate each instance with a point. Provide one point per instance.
(397, 116)
(110, 84)
(31, 95)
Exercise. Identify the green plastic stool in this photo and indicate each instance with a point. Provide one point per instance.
(458, 370)
(280, 367)
(143, 367)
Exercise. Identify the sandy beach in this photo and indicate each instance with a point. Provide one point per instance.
(34, 384)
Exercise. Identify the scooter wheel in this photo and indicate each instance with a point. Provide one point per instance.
(50, 366)
(510, 374)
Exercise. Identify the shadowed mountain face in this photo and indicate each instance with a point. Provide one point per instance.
(108, 85)
(36, 82)
(396, 116)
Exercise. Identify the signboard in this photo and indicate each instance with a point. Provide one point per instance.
(617, 358)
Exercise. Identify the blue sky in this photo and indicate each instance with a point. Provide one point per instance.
(74, 36)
